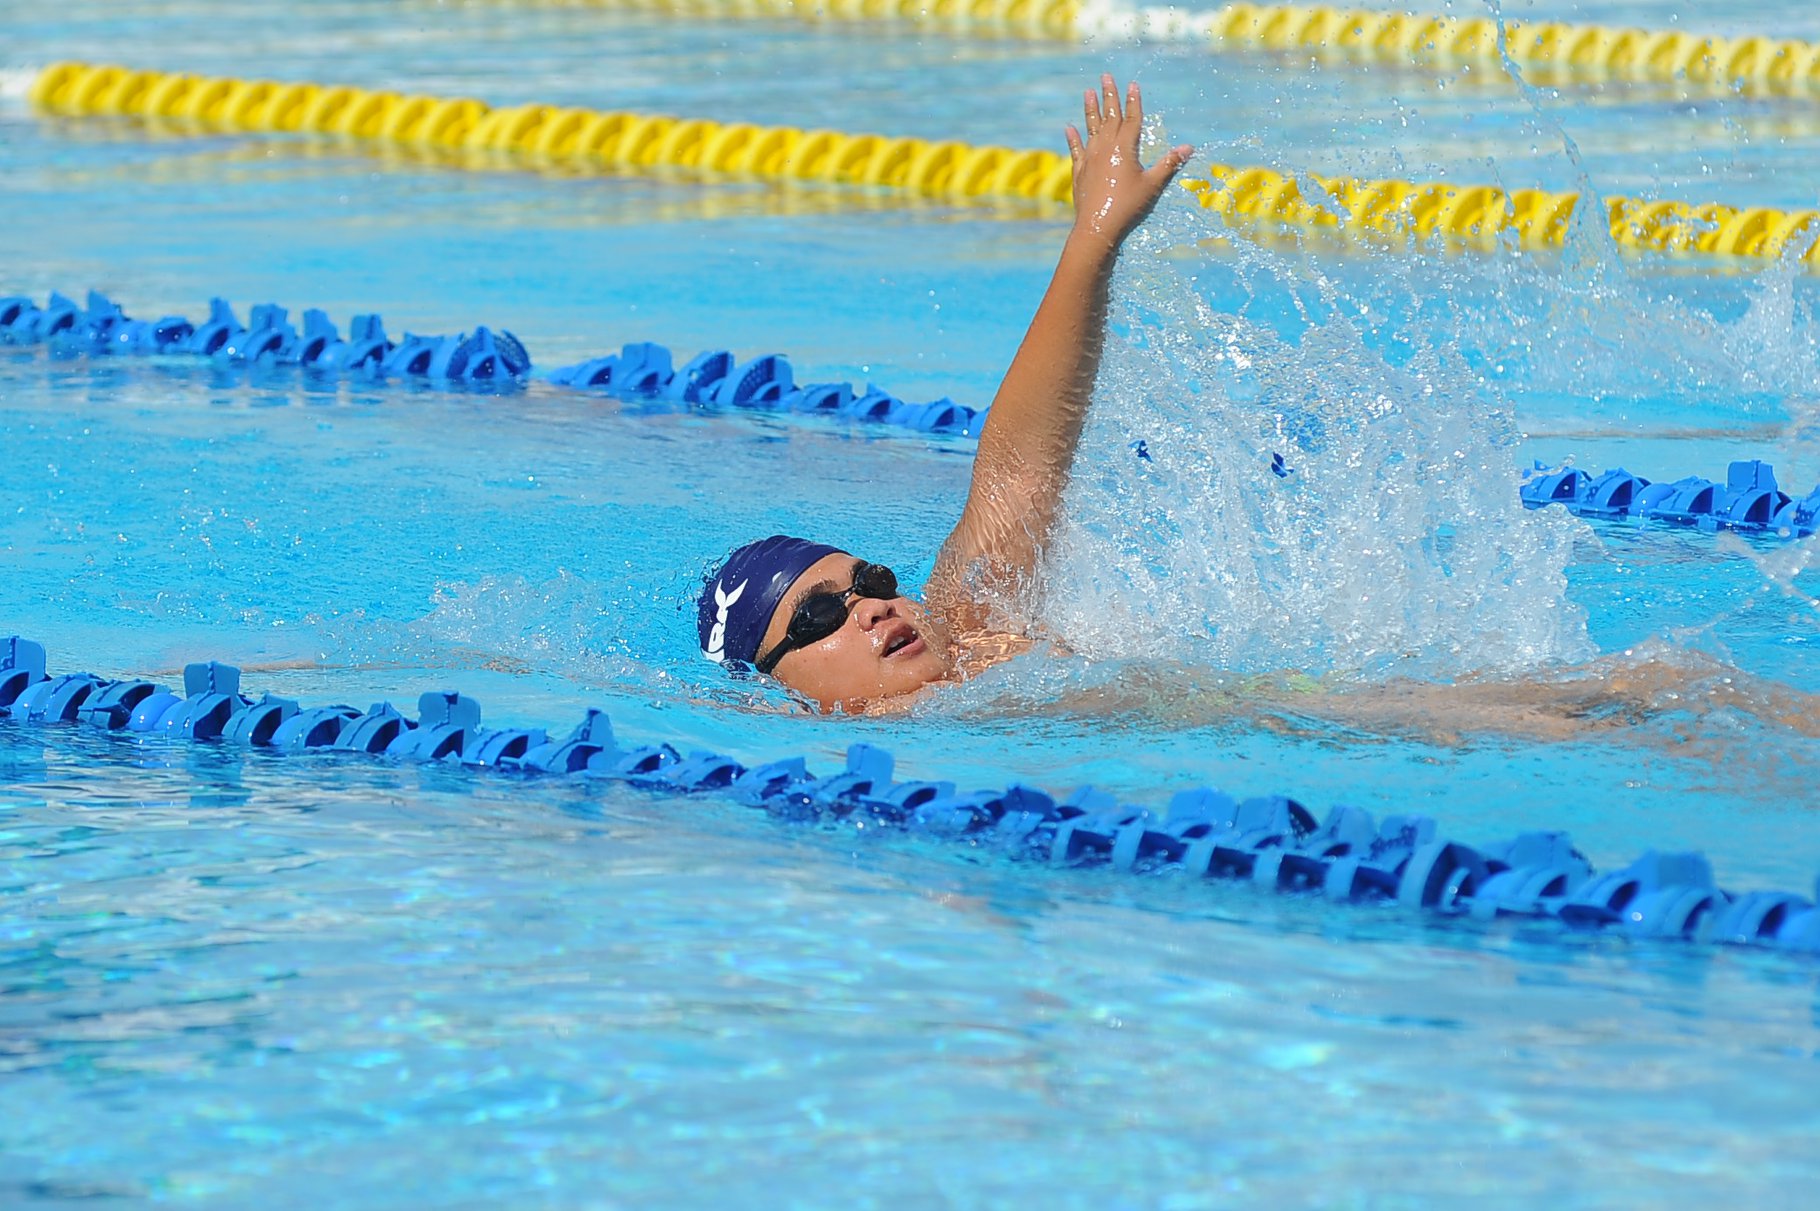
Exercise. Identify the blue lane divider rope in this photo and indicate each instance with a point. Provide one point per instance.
(1271, 842)
(268, 337)
(1749, 501)
(638, 372)
(645, 371)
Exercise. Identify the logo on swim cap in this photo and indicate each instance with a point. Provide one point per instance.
(717, 638)
(738, 598)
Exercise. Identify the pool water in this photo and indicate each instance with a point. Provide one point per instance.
(233, 977)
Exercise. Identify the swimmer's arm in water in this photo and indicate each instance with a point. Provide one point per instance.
(1029, 441)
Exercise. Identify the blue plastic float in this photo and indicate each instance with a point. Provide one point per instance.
(267, 339)
(638, 372)
(1272, 842)
(1749, 500)
(643, 371)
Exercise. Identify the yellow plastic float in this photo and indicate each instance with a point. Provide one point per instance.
(1559, 49)
(1461, 216)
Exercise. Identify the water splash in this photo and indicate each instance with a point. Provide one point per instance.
(15, 83)
(1393, 543)
(1600, 331)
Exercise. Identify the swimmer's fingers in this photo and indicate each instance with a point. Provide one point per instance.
(1113, 191)
(1133, 117)
(1168, 164)
(1130, 126)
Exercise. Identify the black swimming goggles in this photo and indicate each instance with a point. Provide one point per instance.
(819, 615)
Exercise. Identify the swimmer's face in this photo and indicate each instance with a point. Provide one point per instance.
(885, 648)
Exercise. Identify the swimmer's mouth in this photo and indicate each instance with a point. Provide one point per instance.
(905, 642)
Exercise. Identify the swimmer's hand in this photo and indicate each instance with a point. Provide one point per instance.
(1113, 191)
(1027, 447)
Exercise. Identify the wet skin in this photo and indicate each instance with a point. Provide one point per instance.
(888, 650)
(884, 650)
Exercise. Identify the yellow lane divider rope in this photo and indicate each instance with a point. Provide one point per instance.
(583, 140)
(1028, 18)
(1559, 48)
(1483, 216)
(1556, 49)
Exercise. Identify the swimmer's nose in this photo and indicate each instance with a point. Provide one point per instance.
(868, 612)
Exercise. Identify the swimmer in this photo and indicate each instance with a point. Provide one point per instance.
(836, 628)
(838, 631)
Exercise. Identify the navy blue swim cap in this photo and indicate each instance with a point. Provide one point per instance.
(737, 602)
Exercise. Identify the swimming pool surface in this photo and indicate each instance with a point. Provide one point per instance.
(232, 979)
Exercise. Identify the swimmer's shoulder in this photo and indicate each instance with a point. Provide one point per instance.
(977, 651)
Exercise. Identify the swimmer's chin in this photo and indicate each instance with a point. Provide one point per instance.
(884, 704)
(977, 653)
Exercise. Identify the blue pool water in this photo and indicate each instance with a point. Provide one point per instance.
(230, 978)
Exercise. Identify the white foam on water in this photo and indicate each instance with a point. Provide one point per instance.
(1396, 544)
(16, 82)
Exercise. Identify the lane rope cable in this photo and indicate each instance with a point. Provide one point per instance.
(1272, 842)
(1553, 50)
(645, 373)
(1387, 212)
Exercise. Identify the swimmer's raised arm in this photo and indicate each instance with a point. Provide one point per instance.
(1029, 441)
(837, 629)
